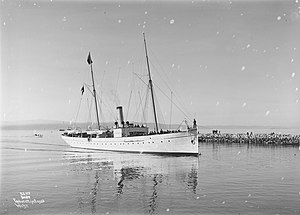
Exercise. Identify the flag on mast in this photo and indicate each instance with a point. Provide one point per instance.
(89, 59)
(82, 90)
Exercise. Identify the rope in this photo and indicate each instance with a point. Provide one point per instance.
(128, 106)
(78, 111)
(172, 102)
(167, 83)
(89, 120)
(180, 124)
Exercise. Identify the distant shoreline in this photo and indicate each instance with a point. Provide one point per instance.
(56, 125)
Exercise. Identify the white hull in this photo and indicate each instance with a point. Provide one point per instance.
(185, 142)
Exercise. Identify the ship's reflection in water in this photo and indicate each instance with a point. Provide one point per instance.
(123, 183)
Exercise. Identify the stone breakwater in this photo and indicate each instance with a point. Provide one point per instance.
(260, 139)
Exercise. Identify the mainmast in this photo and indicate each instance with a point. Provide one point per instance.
(151, 85)
(90, 62)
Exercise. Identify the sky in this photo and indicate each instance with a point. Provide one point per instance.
(221, 62)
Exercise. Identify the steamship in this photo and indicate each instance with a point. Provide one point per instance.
(127, 137)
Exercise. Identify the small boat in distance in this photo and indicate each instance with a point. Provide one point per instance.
(37, 134)
(125, 137)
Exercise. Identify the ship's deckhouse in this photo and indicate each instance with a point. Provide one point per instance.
(130, 131)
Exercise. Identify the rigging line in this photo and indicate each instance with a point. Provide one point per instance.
(137, 96)
(174, 103)
(106, 104)
(128, 106)
(138, 107)
(143, 113)
(166, 83)
(146, 100)
(100, 101)
(178, 99)
(160, 113)
(89, 119)
(108, 107)
(129, 101)
(88, 87)
(171, 110)
(180, 124)
(141, 80)
(99, 96)
(145, 109)
(138, 103)
(78, 111)
(162, 69)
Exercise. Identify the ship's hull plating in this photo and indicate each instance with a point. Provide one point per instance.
(175, 143)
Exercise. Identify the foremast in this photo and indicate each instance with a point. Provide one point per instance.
(151, 85)
(90, 62)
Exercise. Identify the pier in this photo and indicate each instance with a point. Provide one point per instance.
(259, 139)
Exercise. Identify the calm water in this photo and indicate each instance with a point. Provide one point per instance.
(45, 176)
